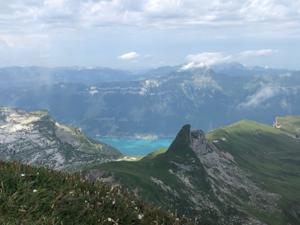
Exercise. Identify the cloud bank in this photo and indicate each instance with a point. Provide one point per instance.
(159, 13)
(166, 29)
(257, 53)
(207, 59)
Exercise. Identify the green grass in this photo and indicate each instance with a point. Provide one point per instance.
(155, 153)
(157, 165)
(39, 196)
(142, 172)
(289, 124)
(269, 155)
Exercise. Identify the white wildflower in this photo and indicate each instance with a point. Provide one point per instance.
(140, 216)
(22, 174)
(34, 190)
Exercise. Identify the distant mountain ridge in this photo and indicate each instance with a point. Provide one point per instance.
(83, 75)
(118, 103)
(36, 139)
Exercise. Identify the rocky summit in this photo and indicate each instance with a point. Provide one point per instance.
(35, 138)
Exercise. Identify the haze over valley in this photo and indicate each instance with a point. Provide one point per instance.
(155, 103)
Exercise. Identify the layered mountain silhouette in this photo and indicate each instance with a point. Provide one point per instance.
(112, 102)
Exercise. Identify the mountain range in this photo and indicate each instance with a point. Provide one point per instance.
(112, 102)
(244, 173)
(227, 173)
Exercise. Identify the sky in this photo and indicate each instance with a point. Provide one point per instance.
(138, 34)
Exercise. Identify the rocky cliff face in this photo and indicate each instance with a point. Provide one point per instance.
(228, 182)
(228, 186)
(35, 138)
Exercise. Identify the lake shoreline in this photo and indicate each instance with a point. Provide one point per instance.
(136, 147)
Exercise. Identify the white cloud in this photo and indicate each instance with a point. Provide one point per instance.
(24, 41)
(64, 20)
(261, 96)
(208, 59)
(260, 52)
(129, 56)
(7, 41)
(163, 13)
(260, 10)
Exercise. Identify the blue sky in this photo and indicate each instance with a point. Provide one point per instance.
(135, 34)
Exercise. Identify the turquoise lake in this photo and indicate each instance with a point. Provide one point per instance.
(136, 147)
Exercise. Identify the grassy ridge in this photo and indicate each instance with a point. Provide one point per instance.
(155, 179)
(271, 157)
(289, 124)
(39, 196)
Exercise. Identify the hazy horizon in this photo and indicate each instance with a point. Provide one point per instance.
(138, 70)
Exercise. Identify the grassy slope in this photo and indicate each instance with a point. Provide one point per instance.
(158, 165)
(39, 196)
(289, 124)
(142, 172)
(271, 156)
(155, 153)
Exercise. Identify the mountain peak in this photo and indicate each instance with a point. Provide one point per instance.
(189, 140)
(184, 135)
(182, 141)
